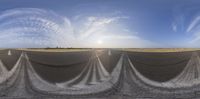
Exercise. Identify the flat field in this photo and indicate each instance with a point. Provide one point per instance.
(91, 68)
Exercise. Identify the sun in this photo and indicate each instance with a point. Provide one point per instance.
(99, 41)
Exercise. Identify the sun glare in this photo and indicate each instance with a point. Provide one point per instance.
(99, 41)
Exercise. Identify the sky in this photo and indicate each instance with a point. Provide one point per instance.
(100, 23)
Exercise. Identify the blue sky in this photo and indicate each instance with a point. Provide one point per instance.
(100, 23)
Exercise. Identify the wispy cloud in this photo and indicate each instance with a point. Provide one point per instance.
(187, 28)
(111, 32)
(32, 27)
(194, 30)
(194, 23)
(98, 25)
(174, 27)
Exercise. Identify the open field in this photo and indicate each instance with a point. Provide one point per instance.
(56, 49)
(99, 73)
(161, 49)
(122, 49)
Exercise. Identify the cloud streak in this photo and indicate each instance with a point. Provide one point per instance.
(33, 27)
(187, 25)
(194, 29)
(111, 32)
(97, 25)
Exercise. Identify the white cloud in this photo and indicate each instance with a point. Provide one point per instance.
(174, 27)
(41, 27)
(194, 30)
(31, 27)
(95, 25)
(111, 31)
(193, 24)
